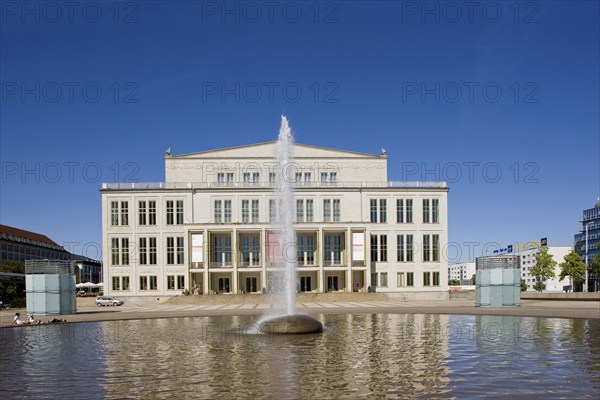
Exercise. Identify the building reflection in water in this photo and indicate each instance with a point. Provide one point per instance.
(370, 355)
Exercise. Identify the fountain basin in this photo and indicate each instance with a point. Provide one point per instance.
(291, 324)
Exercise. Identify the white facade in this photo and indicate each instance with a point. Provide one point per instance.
(209, 226)
(461, 271)
(527, 260)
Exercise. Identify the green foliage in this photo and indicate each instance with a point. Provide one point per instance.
(539, 286)
(573, 267)
(454, 282)
(11, 287)
(523, 285)
(473, 279)
(595, 267)
(544, 266)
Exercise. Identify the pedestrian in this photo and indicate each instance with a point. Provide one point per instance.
(17, 319)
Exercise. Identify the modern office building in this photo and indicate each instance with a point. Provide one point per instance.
(210, 226)
(462, 272)
(20, 245)
(590, 229)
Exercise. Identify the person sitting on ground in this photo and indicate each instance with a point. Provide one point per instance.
(55, 321)
(17, 319)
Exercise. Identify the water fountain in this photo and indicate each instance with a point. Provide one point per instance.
(291, 321)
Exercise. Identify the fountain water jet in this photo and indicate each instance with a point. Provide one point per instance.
(291, 322)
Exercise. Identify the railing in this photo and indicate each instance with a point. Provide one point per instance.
(221, 264)
(265, 185)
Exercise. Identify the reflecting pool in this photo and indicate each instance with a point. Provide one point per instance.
(358, 355)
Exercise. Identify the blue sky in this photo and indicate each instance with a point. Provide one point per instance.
(502, 100)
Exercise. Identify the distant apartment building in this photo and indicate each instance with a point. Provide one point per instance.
(210, 226)
(462, 272)
(21, 245)
(590, 230)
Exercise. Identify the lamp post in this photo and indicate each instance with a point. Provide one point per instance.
(585, 286)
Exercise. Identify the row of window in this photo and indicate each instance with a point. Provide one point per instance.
(333, 249)
(148, 282)
(119, 212)
(251, 211)
(120, 251)
(228, 178)
(404, 211)
(405, 279)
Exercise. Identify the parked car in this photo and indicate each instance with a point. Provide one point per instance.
(108, 301)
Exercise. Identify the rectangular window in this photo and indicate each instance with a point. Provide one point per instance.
(115, 251)
(400, 248)
(373, 204)
(309, 211)
(245, 211)
(409, 248)
(327, 210)
(382, 211)
(383, 248)
(152, 250)
(114, 213)
(153, 282)
(426, 278)
(374, 279)
(171, 250)
(125, 281)
(151, 212)
(143, 244)
(218, 212)
(410, 279)
(383, 279)
(142, 212)
(220, 178)
(170, 282)
(323, 177)
(180, 282)
(299, 210)
(435, 211)
(170, 219)
(409, 211)
(333, 177)
(116, 283)
(435, 248)
(436, 279)
(332, 249)
(307, 178)
(272, 211)
(426, 248)
(180, 251)
(374, 252)
(272, 178)
(298, 177)
(336, 210)
(124, 213)
(227, 211)
(400, 211)
(255, 177)
(179, 212)
(400, 280)
(255, 214)
(143, 283)
(246, 179)
(125, 251)
(230, 178)
(425, 211)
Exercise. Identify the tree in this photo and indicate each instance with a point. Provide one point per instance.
(595, 267)
(523, 285)
(473, 280)
(11, 287)
(543, 268)
(454, 282)
(573, 267)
